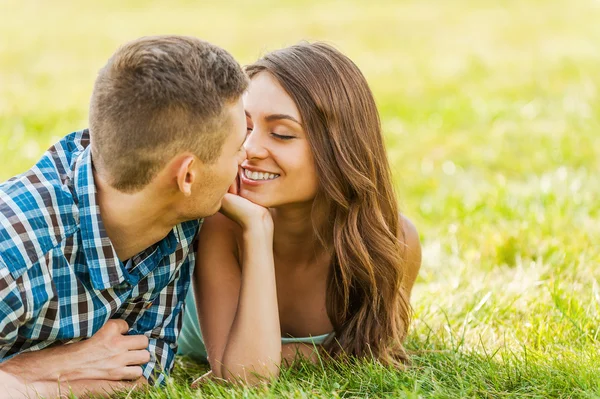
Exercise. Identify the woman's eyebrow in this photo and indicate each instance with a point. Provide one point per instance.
(276, 117)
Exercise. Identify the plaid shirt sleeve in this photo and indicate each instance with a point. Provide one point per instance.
(162, 357)
(13, 310)
(162, 338)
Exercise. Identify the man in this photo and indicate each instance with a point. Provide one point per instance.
(97, 239)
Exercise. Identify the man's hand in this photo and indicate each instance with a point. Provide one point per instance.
(108, 355)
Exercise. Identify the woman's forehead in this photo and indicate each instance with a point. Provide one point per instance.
(265, 96)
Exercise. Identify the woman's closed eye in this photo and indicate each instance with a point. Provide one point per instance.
(282, 136)
(278, 136)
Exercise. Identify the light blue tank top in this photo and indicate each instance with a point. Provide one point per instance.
(190, 340)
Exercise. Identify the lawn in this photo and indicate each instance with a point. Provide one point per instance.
(491, 112)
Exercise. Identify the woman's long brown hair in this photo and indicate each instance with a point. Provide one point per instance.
(365, 302)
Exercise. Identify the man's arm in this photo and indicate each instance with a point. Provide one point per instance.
(109, 360)
(17, 389)
(106, 362)
(13, 304)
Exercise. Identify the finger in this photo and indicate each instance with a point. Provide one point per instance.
(229, 207)
(231, 189)
(127, 373)
(114, 327)
(133, 373)
(137, 358)
(138, 341)
(225, 203)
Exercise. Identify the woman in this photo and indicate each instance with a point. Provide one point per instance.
(311, 253)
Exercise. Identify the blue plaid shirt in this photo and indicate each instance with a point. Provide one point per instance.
(60, 277)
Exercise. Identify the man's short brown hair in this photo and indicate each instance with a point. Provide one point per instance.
(158, 96)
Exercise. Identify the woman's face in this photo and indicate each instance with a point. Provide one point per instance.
(279, 169)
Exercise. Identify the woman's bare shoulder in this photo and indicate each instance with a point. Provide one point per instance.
(412, 254)
(220, 224)
(219, 234)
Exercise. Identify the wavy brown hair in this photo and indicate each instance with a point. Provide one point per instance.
(368, 308)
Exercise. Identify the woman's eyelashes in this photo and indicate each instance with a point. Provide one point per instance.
(282, 136)
(278, 136)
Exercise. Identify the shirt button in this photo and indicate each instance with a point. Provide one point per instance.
(148, 305)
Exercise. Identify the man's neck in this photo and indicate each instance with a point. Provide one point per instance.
(133, 222)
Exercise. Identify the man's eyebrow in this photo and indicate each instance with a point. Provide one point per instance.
(276, 117)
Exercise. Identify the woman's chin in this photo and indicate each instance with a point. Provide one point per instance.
(257, 198)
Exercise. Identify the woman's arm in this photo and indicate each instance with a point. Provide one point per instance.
(293, 351)
(289, 353)
(236, 296)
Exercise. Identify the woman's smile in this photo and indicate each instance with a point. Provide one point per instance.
(252, 176)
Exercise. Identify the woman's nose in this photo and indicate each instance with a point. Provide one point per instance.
(254, 146)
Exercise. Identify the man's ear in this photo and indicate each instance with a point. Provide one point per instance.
(186, 175)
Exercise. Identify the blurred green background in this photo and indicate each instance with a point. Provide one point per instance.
(491, 113)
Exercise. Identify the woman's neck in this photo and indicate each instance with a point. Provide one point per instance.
(294, 239)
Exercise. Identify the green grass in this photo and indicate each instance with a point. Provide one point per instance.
(491, 112)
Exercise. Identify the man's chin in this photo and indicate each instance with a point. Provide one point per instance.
(206, 212)
(216, 209)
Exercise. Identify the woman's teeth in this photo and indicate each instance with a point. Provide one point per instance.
(259, 175)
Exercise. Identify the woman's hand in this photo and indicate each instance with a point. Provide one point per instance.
(244, 212)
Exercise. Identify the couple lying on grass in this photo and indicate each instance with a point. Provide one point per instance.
(104, 270)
